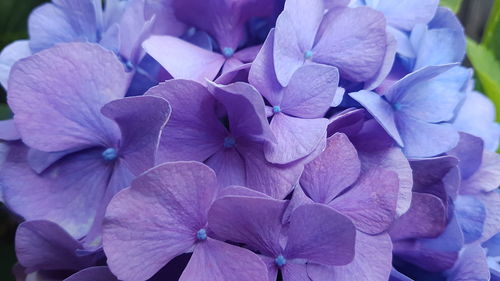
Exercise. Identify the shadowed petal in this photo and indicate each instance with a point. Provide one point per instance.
(229, 167)
(97, 273)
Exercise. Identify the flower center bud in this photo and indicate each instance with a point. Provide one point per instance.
(229, 142)
(280, 261)
(228, 52)
(201, 234)
(109, 154)
(397, 106)
(308, 54)
(276, 109)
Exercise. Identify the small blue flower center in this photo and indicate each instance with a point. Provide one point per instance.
(397, 106)
(229, 142)
(308, 54)
(228, 52)
(276, 109)
(280, 261)
(109, 154)
(201, 234)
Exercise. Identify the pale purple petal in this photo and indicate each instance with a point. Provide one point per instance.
(471, 265)
(406, 14)
(294, 272)
(139, 143)
(335, 169)
(254, 221)
(319, 234)
(8, 130)
(166, 207)
(371, 202)
(184, 60)
(295, 138)
(69, 84)
(96, 273)
(486, 178)
(218, 261)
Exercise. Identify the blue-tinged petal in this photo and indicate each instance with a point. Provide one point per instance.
(471, 214)
(486, 178)
(62, 21)
(406, 14)
(9, 56)
(471, 265)
(469, 152)
(440, 46)
(8, 130)
(381, 111)
(451, 240)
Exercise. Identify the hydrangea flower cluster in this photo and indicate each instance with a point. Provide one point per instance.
(253, 140)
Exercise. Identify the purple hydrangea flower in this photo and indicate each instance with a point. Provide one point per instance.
(255, 220)
(167, 215)
(86, 141)
(298, 109)
(352, 39)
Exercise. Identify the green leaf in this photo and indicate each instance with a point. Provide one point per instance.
(487, 71)
(5, 112)
(491, 37)
(454, 5)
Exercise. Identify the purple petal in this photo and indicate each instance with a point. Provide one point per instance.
(319, 234)
(469, 152)
(334, 170)
(471, 215)
(296, 29)
(193, 131)
(371, 202)
(12, 53)
(491, 201)
(67, 112)
(354, 40)
(184, 60)
(425, 258)
(294, 272)
(295, 138)
(376, 149)
(59, 196)
(348, 122)
(372, 261)
(97, 273)
(262, 74)
(215, 260)
(229, 167)
(253, 221)
(223, 20)
(387, 63)
(381, 111)
(310, 91)
(139, 143)
(245, 109)
(44, 245)
(274, 180)
(171, 202)
(235, 190)
(426, 218)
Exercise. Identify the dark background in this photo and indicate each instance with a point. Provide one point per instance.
(13, 26)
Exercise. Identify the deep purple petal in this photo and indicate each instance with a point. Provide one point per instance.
(229, 167)
(193, 131)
